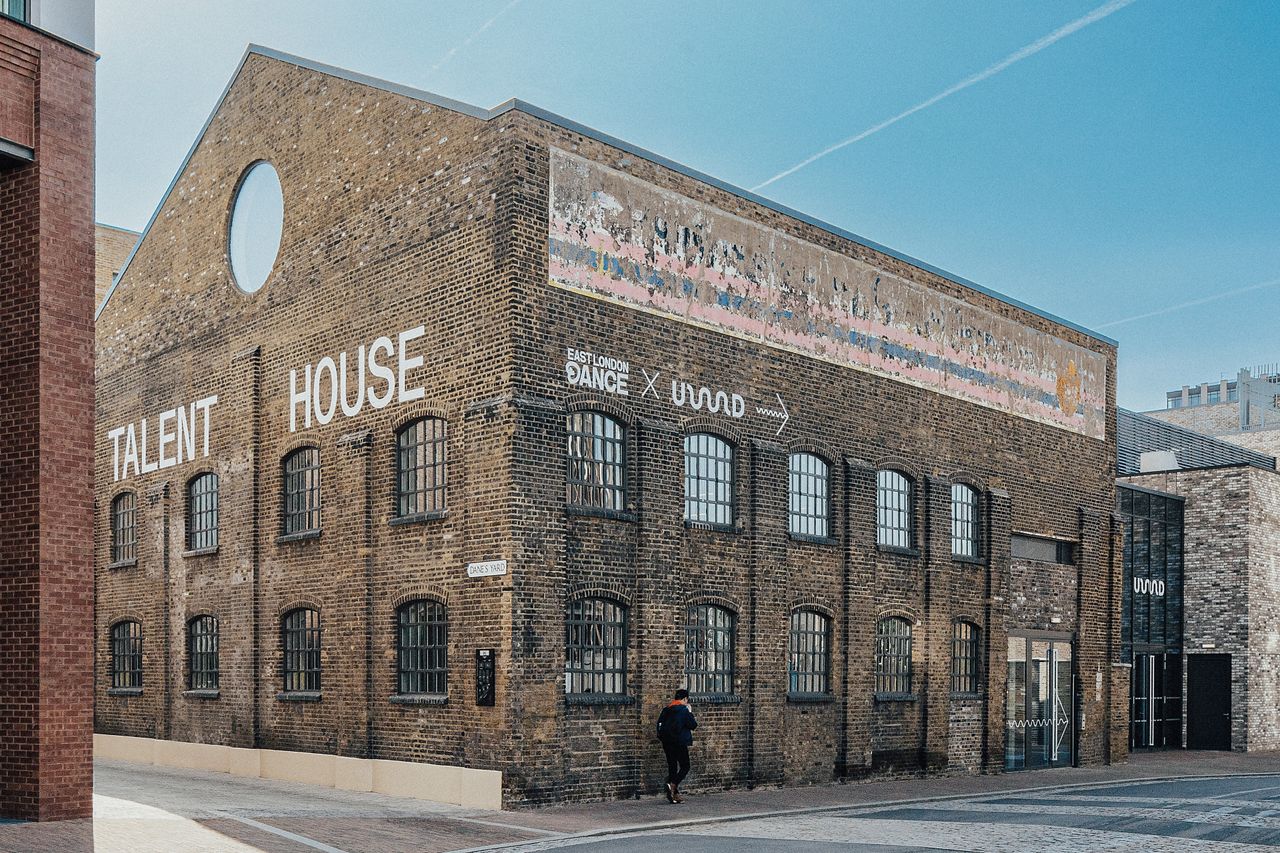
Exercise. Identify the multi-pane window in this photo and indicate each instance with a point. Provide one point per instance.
(708, 650)
(809, 653)
(893, 510)
(809, 496)
(595, 644)
(964, 521)
(302, 490)
(708, 480)
(422, 657)
(202, 653)
(124, 527)
(420, 467)
(893, 655)
(300, 640)
(14, 9)
(126, 655)
(964, 658)
(202, 512)
(597, 462)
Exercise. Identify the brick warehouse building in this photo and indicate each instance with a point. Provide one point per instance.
(46, 358)
(527, 428)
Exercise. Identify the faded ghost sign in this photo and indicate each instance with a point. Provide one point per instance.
(617, 237)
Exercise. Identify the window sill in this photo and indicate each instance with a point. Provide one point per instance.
(600, 512)
(716, 698)
(898, 550)
(968, 561)
(298, 696)
(966, 697)
(124, 691)
(300, 536)
(810, 698)
(894, 697)
(123, 564)
(599, 699)
(417, 518)
(711, 526)
(419, 699)
(813, 540)
(202, 694)
(200, 552)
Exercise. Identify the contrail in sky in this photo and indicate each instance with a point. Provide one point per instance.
(1193, 303)
(1017, 56)
(466, 41)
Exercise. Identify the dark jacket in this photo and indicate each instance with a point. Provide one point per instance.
(676, 724)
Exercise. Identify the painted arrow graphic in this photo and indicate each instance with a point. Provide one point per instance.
(780, 412)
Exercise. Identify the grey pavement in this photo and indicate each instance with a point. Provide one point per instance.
(140, 809)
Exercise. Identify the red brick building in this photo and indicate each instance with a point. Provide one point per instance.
(464, 437)
(46, 400)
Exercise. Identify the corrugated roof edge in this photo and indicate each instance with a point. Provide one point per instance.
(576, 127)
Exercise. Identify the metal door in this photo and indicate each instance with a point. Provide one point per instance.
(1208, 701)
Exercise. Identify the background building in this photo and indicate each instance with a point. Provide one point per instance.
(46, 400)
(476, 433)
(113, 246)
(1244, 412)
(1202, 582)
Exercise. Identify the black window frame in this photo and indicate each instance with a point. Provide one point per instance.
(126, 655)
(893, 666)
(203, 641)
(708, 496)
(422, 648)
(966, 658)
(597, 632)
(808, 510)
(202, 511)
(21, 13)
(301, 644)
(966, 522)
(808, 653)
(301, 486)
(710, 650)
(124, 528)
(596, 480)
(895, 511)
(422, 468)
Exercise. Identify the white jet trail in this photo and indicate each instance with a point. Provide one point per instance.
(1017, 56)
(1193, 303)
(466, 41)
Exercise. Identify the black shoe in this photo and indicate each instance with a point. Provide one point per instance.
(670, 790)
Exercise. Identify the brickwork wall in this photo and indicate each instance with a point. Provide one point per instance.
(1264, 610)
(113, 246)
(46, 354)
(398, 213)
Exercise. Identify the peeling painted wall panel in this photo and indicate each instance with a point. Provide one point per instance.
(625, 240)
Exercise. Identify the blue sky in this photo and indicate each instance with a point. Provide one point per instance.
(1127, 169)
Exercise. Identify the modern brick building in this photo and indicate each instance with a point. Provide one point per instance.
(1201, 612)
(113, 246)
(516, 428)
(46, 403)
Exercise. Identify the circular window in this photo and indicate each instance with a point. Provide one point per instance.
(256, 221)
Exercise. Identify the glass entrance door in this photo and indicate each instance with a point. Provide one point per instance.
(1155, 718)
(1039, 704)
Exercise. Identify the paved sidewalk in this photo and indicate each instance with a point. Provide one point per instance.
(141, 809)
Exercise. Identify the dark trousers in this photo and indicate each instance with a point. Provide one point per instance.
(677, 761)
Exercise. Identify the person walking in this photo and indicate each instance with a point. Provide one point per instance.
(675, 729)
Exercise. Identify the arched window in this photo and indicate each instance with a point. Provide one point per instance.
(420, 467)
(965, 658)
(422, 659)
(126, 655)
(202, 653)
(124, 527)
(708, 650)
(300, 641)
(302, 490)
(595, 645)
(964, 521)
(708, 480)
(809, 496)
(596, 477)
(893, 655)
(202, 512)
(894, 510)
(809, 653)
